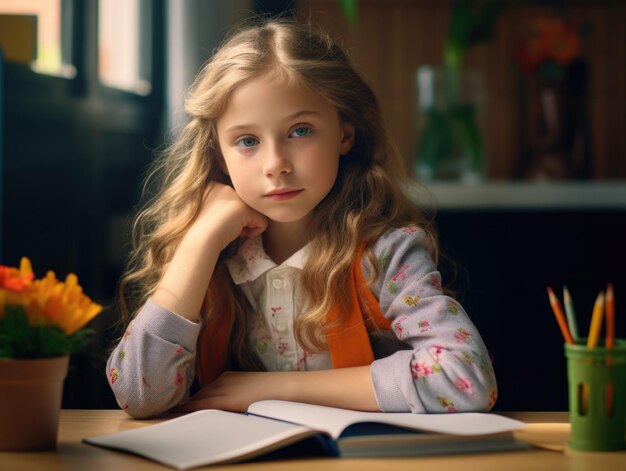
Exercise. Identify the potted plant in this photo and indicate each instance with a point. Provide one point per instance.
(41, 325)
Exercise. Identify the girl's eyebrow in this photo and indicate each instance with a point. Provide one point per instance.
(297, 114)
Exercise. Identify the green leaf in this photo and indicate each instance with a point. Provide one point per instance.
(460, 20)
(19, 339)
(470, 25)
(482, 26)
(350, 10)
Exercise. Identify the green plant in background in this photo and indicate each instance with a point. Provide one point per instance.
(450, 126)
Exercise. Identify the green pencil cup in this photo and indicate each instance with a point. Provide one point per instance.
(597, 396)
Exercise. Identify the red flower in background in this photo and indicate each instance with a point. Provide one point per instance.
(552, 43)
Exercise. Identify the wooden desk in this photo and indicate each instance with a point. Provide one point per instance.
(549, 430)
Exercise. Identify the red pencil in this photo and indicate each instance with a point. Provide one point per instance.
(560, 317)
(610, 342)
(610, 317)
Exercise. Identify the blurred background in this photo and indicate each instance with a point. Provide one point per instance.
(511, 112)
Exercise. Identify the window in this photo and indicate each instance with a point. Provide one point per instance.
(124, 47)
(124, 34)
(50, 57)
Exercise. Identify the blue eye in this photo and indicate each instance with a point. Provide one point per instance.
(247, 142)
(301, 131)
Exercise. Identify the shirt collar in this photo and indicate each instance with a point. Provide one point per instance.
(251, 261)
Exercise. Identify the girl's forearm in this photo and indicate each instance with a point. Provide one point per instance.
(186, 279)
(348, 388)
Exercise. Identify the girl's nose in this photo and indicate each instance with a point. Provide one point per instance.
(276, 161)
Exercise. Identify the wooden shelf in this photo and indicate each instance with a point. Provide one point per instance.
(610, 195)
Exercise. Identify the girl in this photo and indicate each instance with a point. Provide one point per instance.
(279, 258)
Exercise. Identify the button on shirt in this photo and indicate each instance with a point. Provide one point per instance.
(275, 295)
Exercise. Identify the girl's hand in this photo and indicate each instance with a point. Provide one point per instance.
(223, 218)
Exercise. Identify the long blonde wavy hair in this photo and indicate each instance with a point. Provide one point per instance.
(365, 201)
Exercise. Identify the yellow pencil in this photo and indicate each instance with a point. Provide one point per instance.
(592, 341)
(596, 321)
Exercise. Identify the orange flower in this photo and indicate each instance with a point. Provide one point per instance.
(16, 280)
(14, 283)
(48, 300)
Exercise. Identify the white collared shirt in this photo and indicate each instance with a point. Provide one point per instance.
(275, 294)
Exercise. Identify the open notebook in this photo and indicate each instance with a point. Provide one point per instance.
(214, 436)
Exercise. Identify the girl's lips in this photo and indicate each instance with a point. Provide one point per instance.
(283, 195)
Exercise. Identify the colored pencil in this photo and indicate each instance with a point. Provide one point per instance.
(570, 313)
(610, 342)
(596, 321)
(610, 317)
(560, 317)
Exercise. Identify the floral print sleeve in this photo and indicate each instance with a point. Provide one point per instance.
(446, 366)
(152, 367)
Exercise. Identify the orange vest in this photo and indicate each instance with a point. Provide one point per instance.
(347, 341)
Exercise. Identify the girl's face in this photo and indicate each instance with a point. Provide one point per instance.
(281, 145)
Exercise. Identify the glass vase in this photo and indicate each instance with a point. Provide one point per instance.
(450, 118)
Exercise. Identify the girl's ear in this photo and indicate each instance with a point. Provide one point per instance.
(347, 138)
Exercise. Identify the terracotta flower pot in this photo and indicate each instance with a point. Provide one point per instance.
(31, 391)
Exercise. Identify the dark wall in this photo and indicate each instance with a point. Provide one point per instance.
(72, 174)
(503, 262)
(74, 156)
